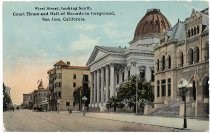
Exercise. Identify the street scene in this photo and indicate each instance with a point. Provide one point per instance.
(26, 120)
(106, 66)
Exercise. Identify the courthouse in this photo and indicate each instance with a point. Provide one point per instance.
(161, 54)
(110, 66)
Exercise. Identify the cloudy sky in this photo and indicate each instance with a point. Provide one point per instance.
(31, 46)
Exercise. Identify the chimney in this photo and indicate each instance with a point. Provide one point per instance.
(68, 63)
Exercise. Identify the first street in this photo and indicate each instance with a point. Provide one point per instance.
(27, 120)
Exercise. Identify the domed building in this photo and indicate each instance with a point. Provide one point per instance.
(110, 66)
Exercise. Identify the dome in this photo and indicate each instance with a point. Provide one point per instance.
(153, 22)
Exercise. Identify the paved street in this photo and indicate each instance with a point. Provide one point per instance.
(26, 120)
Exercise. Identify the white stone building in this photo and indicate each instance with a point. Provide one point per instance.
(110, 66)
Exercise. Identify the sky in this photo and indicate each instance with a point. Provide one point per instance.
(31, 46)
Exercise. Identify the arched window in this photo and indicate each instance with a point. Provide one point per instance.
(157, 26)
(195, 31)
(192, 32)
(169, 62)
(163, 62)
(196, 54)
(189, 33)
(190, 56)
(205, 87)
(181, 59)
(198, 30)
(157, 65)
(206, 51)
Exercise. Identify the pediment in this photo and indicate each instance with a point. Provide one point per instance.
(96, 55)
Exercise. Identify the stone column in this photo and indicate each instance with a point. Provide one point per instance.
(125, 73)
(107, 83)
(120, 76)
(98, 85)
(148, 73)
(91, 88)
(95, 86)
(102, 85)
(111, 80)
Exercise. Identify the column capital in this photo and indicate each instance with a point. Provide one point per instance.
(152, 67)
(141, 68)
(133, 63)
(128, 67)
(112, 65)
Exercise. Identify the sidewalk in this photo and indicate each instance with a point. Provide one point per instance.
(192, 124)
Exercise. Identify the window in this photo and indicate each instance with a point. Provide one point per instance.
(195, 31)
(189, 33)
(60, 76)
(67, 103)
(152, 75)
(123, 76)
(75, 76)
(196, 54)
(157, 65)
(206, 56)
(142, 74)
(198, 30)
(129, 74)
(59, 84)
(74, 84)
(85, 78)
(169, 62)
(169, 87)
(163, 87)
(59, 95)
(181, 59)
(158, 88)
(118, 78)
(190, 56)
(163, 63)
(192, 32)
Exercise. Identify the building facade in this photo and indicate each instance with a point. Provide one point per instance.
(40, 98)
(25, 100)
(110, 66)
(63, 80)
(183, 53)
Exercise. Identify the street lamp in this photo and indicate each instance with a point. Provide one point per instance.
(184, 86)
(58, 102)
(84, 99)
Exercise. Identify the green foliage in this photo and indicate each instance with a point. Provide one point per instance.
(113, 102)
(127, 92)
(6, 99)
(79, 93)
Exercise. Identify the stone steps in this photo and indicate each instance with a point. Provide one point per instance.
(172, 110)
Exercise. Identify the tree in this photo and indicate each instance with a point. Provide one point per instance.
(113, 102)
(6, 99)
(78, 94)
(127, 92)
